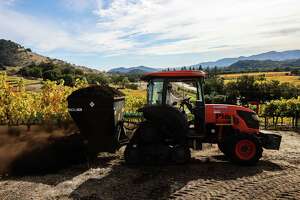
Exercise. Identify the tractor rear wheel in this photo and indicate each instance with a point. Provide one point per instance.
(149, 133)
(132, 155)
(244, 149)
(180, 155)
(171, 124)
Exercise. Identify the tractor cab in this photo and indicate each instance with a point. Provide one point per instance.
(180, 89)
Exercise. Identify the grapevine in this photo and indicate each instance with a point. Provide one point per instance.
(49, 104)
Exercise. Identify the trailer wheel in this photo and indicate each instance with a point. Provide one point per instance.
(245, 149)
(181, 155)
(131, 155)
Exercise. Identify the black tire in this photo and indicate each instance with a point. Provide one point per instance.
(132, 155)
(155, 154)
(222, 147)
(148, 133)
(181, 155)
(170, 122)
(244, 149)
(228, 132)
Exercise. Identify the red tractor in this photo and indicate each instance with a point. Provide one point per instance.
(178, 119)
(175, 120)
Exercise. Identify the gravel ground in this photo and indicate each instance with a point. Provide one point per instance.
(208, 176)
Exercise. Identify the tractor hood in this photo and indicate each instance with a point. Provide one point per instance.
(239, 117)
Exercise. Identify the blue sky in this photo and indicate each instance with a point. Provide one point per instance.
(159, 33)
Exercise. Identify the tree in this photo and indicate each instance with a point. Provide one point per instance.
(68, 70)
(2, 67)
(52, 75)
(36, 72)
(124, 82)
(295, 72)
(246, 87)
(231, 91)
(46, 66)
(69, 80)
(214, 85)
(99, 78)
(79, 72)
(31, 71)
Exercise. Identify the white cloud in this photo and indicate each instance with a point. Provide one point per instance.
(202, 24)
(163, 27)
(43, 35)
(46, 35)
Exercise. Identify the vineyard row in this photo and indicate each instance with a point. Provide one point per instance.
(18, 106)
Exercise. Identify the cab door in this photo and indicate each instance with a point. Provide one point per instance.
(200, 109)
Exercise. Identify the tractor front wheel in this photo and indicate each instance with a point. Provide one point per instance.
(222, 147)
(244, 149)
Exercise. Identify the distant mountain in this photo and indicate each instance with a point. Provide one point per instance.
(272, 55)
(254, 65)
(133, 70)
(15, 55)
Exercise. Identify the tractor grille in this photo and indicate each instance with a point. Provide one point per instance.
(250, 118)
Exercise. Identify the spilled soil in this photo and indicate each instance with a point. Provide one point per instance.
(38, 152)
(208, 176)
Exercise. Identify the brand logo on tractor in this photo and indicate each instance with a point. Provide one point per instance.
(222, 116)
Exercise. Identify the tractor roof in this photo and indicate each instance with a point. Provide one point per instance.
(174, 74)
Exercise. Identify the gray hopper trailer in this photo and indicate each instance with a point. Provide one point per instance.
(98, 112)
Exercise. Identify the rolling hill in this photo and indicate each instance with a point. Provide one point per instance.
(272, 55)
(15, 55)
(263, 65)
(133, 70)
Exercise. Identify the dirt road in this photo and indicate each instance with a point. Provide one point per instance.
(208, 176)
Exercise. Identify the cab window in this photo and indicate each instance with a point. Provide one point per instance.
(155, 92)
(180, 90)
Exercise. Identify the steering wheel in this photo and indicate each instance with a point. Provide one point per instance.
(188, 104)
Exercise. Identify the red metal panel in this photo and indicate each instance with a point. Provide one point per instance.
(174, 74)
(226, 114)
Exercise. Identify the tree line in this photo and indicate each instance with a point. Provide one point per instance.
(51, 71)
(248, 88)
(69, 74)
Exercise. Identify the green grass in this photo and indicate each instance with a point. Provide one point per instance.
(13, 81)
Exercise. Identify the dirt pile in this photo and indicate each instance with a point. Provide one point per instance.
(101, 92)
(38, 153)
